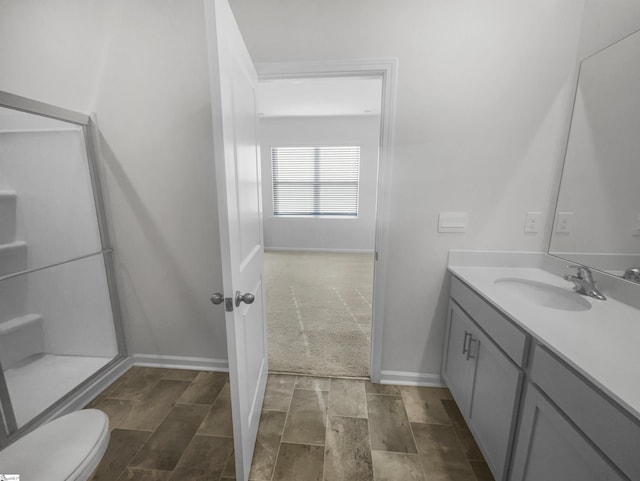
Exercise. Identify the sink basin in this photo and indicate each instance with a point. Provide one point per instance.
(544, 294)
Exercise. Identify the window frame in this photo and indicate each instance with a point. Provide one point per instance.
(316, 183)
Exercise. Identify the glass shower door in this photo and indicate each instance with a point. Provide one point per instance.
(57, 324)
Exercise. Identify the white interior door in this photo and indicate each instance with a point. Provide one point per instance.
(237, 168)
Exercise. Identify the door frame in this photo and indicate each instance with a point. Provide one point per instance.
(386, 69)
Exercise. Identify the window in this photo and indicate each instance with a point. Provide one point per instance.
(318, 181)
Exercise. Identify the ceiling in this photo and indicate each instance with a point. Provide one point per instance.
(335, 96)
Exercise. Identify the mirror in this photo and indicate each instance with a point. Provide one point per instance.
(597, 218)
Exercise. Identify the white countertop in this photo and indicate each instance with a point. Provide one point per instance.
(602, 343)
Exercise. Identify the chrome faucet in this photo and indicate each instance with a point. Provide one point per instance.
(632, 274)
(584, 283)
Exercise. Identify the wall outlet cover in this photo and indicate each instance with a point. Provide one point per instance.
(564, 222)
(532, 222)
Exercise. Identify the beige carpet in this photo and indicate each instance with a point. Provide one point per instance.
(319, 312)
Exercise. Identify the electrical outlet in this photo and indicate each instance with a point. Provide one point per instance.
(564, 222)
(532, 222)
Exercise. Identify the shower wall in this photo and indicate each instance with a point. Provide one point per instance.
(44, 163)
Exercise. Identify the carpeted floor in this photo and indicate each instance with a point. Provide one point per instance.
(319, 312)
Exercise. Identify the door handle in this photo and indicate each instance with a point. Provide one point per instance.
(247, 298)
(477, 341)
(465, 348)
(217, 298)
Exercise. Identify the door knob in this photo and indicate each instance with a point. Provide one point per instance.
(246, 298)
(217, 298)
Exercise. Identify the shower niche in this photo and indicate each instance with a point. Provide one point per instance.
(60, 328)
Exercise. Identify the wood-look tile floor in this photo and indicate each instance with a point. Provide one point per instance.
(169, 425)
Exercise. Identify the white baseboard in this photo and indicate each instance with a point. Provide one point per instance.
(180, 362)
(411, 379)
(318, 249)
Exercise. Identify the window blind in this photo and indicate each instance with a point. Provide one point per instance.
(319, 181)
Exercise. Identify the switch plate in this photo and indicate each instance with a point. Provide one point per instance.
(564, 222)
(636, 230)
(452, 222)
(532, 222)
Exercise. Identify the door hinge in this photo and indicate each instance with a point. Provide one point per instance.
(376, 255)
(228, 304)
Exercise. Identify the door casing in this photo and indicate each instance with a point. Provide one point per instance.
(385, 69)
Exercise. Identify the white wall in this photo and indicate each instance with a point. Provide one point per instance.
(322, 233)
(482, 105)
(142, 67)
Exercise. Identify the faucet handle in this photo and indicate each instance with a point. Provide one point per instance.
(584, 272)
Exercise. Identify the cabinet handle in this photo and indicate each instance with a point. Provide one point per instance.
(471, 339)
(465, 348)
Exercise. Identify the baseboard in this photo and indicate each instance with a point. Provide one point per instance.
(411, 379)
(317, 249)
(180, 362)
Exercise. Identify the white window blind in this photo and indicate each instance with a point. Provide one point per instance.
(321, 181)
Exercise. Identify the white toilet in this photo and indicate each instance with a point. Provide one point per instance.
(68, 448)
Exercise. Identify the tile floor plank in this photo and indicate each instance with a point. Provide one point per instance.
(388, 424)
(204, 388)
(123, 446)
(307, 419)
(299, 462)
(347, 397)
(166, 445)
(388, 466)
(147, 413)
(132, 474)
(204, 459)
(424, 404)
(277, 396)
(267, 445)
(219, 420)
(442, 456)
(138, 383)
(347, 453)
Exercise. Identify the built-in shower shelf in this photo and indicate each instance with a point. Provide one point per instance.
(13, 257)
(21, 337)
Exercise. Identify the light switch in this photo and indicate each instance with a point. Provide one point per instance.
(452, 222)
(564, 222)
(532, 222)
(636, 231)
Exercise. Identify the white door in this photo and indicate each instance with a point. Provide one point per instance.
(237, 169)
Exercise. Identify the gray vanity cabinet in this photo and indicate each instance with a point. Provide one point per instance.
(486, 385)
(550, 448)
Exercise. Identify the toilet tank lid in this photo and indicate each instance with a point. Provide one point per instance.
(60, 449)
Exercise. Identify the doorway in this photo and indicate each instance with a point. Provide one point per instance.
(320, 140)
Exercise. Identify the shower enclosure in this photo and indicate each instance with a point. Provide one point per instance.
(60, 328)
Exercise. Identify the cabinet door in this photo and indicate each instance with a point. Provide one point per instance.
(493, 401)
(456, 369)
(550, 448)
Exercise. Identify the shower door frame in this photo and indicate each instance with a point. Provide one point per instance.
(8, 426)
